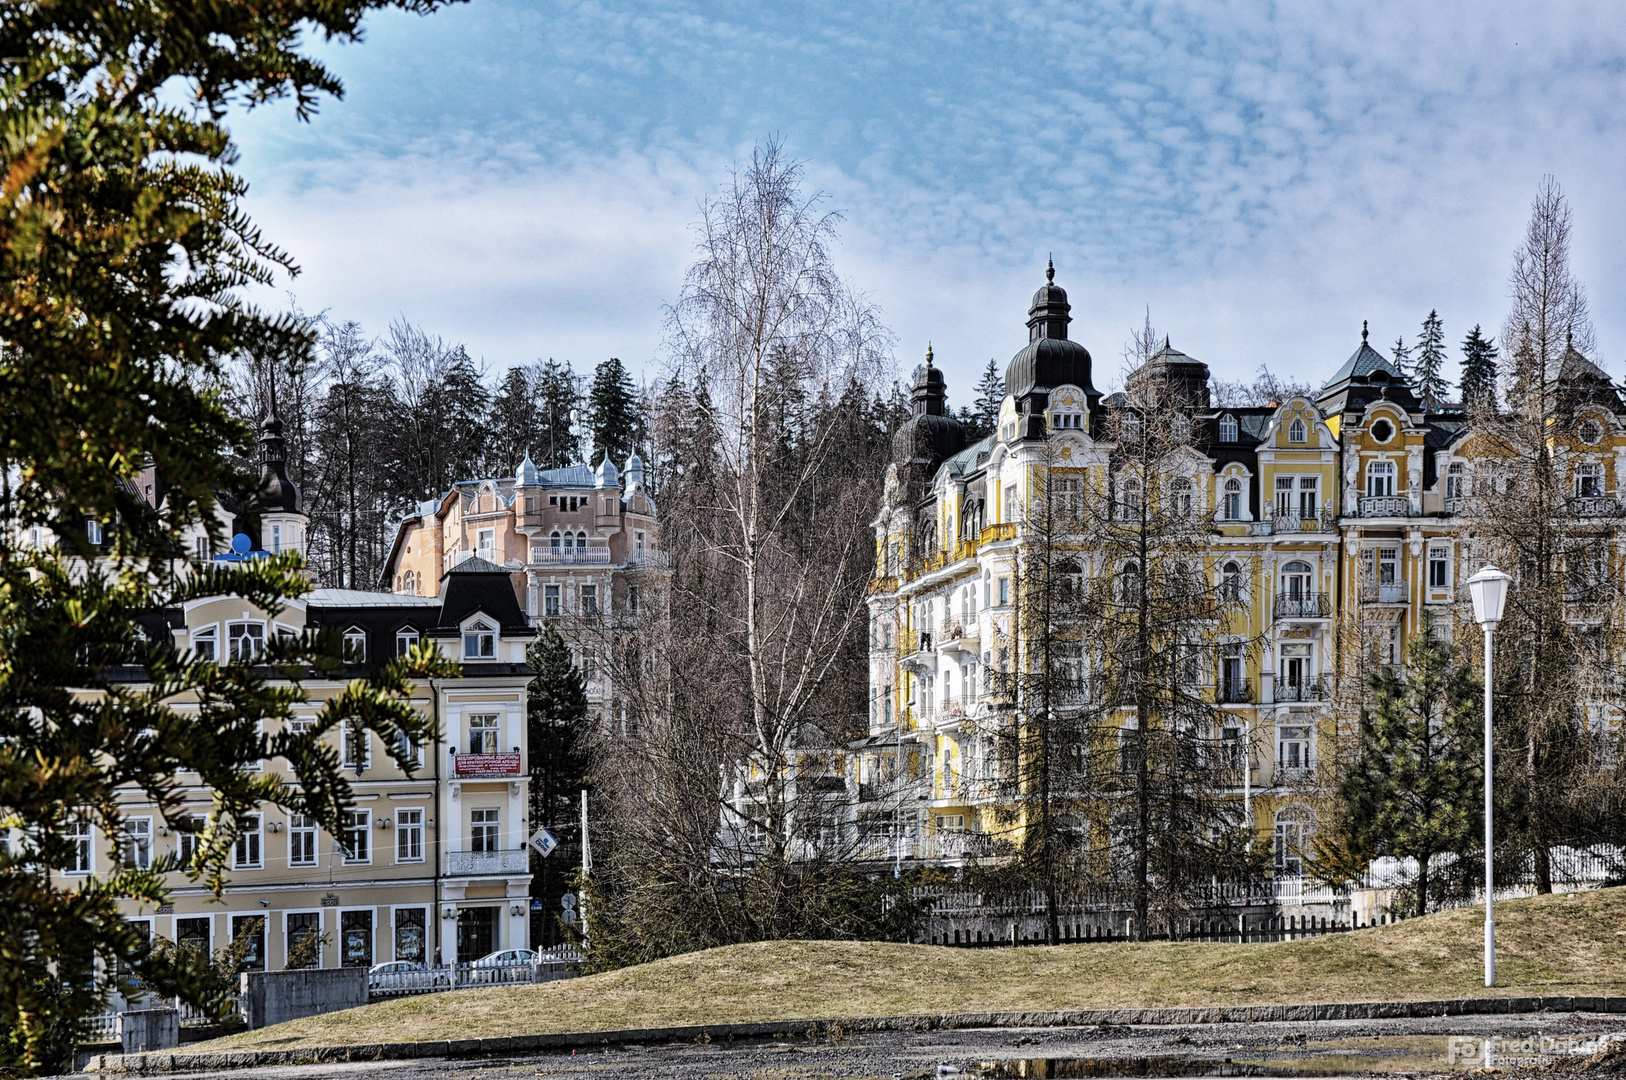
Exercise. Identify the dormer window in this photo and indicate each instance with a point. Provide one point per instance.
(206, 644)
(1295, 431)
(406, 639)
(479, 642)
(355, 645)
(1227, 428)
(247, 641)
(1129, 428)
(1180, 427)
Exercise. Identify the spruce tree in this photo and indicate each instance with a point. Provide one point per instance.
(1413, 791)
(612, 411)
(557, 391)
(1429, 370)
(514, 424)
(1478, 380)
(990, 395)
(1402, 357)
(556, 723)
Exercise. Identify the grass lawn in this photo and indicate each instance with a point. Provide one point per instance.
(1545, 946)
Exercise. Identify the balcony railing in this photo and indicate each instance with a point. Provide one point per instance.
(1315, 605)
(593, 556)
(1385, 506)
(1594, 506)
(1306, 688)
(1235, 691)
(1383, 592)
(1294, 774)
(487, 863)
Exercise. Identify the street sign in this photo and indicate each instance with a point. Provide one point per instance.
(568, 902)
(544, 843)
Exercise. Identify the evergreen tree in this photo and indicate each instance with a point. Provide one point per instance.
(557, 392)
(990, 395)
(462, 402)
(556, 729)
(1413, 791)
(612, 411)
(1429, 370)
(1478, 379)
(1402, 357)
(515, 424)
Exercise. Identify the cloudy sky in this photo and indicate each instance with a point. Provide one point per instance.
(522, 175)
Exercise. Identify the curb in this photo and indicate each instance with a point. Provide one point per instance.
(150, 1064)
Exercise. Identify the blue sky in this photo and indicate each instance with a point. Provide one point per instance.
(522, 176)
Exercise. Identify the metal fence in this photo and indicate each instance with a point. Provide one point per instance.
(556, 963)
(1238, 929)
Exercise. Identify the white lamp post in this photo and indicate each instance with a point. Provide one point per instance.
(1488, 588)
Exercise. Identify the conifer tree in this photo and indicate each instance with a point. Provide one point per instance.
(1428, 373)
(1478, 378)
(990, 395)
(1413, 789)
(612, 410)
(556, 722)
(514, 424)
(1402, 356)
(558, 392)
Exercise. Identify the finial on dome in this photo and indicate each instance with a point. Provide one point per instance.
(1165, 342)
(1569, 337)
(1363, 331)
(928, 354)
(1050, 269)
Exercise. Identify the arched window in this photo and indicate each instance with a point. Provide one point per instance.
(1129, 583)
(1380, 479)
(1227, 428)
(1296, 580)
(1232, 510)
(1295, 430)
(581, 541)
(1180, 495)
(553, 543)
(1231, 582)
(1129, 498)
(1453, 481)
(1295, 828)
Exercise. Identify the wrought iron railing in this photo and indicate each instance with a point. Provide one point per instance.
(1315, 605)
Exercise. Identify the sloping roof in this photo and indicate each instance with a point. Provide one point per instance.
(1572, 365)
(477, 585)
(1361, 364)
(363, 598)
(474, 565)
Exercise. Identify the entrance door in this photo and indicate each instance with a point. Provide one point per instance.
(476, 933)
(356, 939)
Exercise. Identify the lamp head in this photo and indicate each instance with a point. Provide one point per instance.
(1488, 589)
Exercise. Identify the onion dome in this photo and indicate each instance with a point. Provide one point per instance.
(279, 493)
(930, 434)
(633, 470)
(605, 476)
(1049, 359)
(526, 474)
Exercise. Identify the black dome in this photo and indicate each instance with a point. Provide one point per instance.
(929, 435)
(1049, 359)
(278, 493)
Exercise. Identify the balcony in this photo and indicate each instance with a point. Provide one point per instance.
(1287, 524)
(1594, 506)
(1307, 688)
(1383, 592)
(1288, 775)
(547, 555)
(1315, 605)
(957, 638)
(1234, 692)
(657, 560)
(487, 863)
(1385, 506)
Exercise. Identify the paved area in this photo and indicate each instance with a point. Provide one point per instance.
(1327, 1049)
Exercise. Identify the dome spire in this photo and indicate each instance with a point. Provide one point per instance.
(1050, 269)
(1363, 331)
(928, 354)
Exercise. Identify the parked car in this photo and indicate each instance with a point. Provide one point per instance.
(508, 956)
(394, 967)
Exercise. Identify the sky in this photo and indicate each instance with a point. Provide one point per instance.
(523, 176)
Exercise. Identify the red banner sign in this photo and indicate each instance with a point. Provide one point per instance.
(487, 764)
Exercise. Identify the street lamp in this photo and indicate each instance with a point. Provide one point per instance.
(1488, 588)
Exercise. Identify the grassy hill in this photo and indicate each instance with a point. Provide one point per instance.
(1550, 945)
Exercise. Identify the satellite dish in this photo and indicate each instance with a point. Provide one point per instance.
(242, 544)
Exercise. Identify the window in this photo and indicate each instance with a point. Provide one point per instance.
(1284, 496)
(1233, 499)
(200, 546)
(1180, 427)
(1295, 431)
(1293, 747)
(1439, 568)
(138, 843)
(405, 641)
(83, 858)
(1004, 591)
(1067, 492)
(1295, 826)
(357, 838)
(1380, 479)
(479, 642)
(356, 938)
(276, 539)
(93, 531)
(246, 851)
(483, 733)
(1296, 683)
(247, 641)
(550, 600)
(411, 935)
(1129, 428)
(1231, 582)
(304, 935)
(1388, 565)
(249, 932)
(487, 545)
(1453, 480)
(358, 746)
(1381, 431)
(589, 600)
(188, 837)
(1227, 428)
(355, 645)
(194, 934)
(1129, 584)
(553, 543)
(1307, 497)
(1180, 495)
(301, 840)
(638, 543)
(1129, 498)
(1588, 480)
(1010, 503)
(632, 599)
(1296, 580)
(1590, 431)
(484, 830)
(408, 836)
(205, 643)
